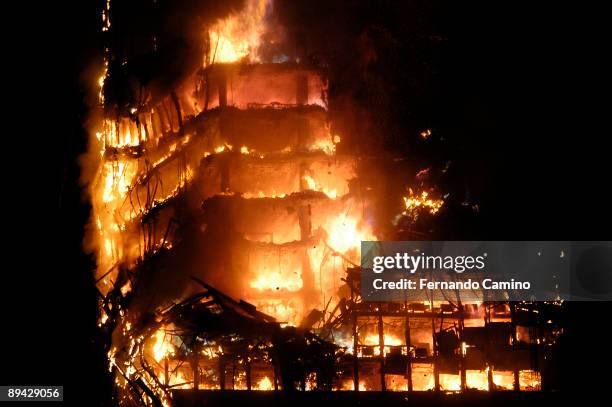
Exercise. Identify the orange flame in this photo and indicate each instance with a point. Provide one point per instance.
(346, 233)
(273, 280)
(239, 35)
(390, 340)
(161, 347)
(264, 384)
(312, 185)
(415, 201)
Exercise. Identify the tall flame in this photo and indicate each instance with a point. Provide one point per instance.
(161, 347)
(239, 35)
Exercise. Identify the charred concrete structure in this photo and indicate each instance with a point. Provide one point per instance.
(227, 223)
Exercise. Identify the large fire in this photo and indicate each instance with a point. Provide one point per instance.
(238, 36)
(277, 281)
(290, 204)
(345, 233)
(265, 384)
(389, 340)
(162, 347)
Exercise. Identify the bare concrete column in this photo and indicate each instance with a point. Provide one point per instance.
(355, 343)
(196, 371)
(301, 96)
(408, 354)
(435, 346)
(223, 90)
(381, 343)
(221, 372)
(247, 367)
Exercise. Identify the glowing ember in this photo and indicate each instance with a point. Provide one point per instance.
(415, 201)
(311, 381)
(126, 288)
(530, 380)
(425, 133)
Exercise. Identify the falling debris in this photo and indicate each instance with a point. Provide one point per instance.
(415, 202)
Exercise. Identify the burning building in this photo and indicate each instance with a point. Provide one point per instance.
(227, 218)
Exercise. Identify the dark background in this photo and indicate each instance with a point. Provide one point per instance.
(519, 89)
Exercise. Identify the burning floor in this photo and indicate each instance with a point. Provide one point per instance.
(227, 221)
(210, 341)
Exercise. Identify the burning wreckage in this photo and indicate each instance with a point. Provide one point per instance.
(227, 229)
